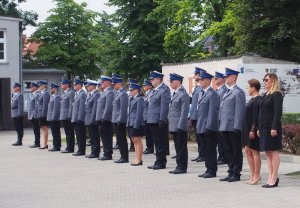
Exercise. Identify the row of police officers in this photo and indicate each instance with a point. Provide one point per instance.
(215, 115)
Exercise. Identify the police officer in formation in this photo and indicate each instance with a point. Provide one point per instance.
(17, 112)
(207, 124)
(67, 99)
(119, 117)
(178, 122)
(147, 87)
(193, 113)
(33, 113)
(157, 118)
(78, 116)
(90, 118)
(42, 106)
(232, 111)
(53, 117)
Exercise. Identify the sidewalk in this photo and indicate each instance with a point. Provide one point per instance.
(38, 178)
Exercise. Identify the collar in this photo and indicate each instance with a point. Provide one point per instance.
(220, 86)
(66, 90)
(79, 91)
(93, 92)
(106, 89)
(158, 86)
(230, 88)
(205, 90)
(179, 88)
(136, 96)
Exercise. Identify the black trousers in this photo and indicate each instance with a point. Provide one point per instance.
(180, 141)
(80, 132)
(210, 151)
(161, 143)
(18, 123)
(221, 149)
(120, 129)
(106, 133)
(70, 136)
(149, 138)
(55, 130)
(198, 140)
(233, 151)
(36, 130)
(95, 139)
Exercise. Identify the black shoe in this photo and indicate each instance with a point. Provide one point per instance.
(121, 161)
(17, 144)
(221, 162)
(67, 151)
(234, 178)
(137, 164)
(158, 167)
(201, 175)
(200, 159)
(225, 179)
(91, 156)
(78, 154)
(34, 146)
(274, 185)
(116, 147)
(148, 152)
(179, 171)
(264, 186)
(173, 157)
(209, 175)
(195, 159)
(151, 167)
(172, 171)
(44, 147)
(105, 158)
(54, 150)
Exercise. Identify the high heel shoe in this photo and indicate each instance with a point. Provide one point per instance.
(255, 182)
(274, 185)
(137, 164)
(44, 147)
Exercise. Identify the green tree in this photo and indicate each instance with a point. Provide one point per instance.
(68, 37)
(10, 8)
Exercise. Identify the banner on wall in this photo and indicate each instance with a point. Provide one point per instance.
(289, 76)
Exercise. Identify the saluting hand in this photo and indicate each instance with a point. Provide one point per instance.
(273, 132)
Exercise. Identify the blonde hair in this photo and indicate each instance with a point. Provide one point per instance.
(275, 83)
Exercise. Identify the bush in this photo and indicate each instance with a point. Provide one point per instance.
(290, 118)
(291, 138)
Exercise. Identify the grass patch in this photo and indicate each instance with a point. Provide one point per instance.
(294, 174)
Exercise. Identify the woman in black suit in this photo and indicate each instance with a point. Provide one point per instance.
(269, 126)
(251, 139)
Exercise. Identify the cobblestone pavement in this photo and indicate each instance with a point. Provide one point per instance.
(38, 178)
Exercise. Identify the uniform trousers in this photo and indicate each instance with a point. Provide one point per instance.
(36, 130)
(149, 138)
(198, 140)
(180, 141)
(221, 149)
(18, 123)
(95, 139)
(233, 151)
(210, 151)
(120, 129)
(70, 136)
(80, 132)
(106, 133)
(55, 130)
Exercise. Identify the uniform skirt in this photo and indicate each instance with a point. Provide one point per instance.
(269, 143)
(43, 122)
(132, 132)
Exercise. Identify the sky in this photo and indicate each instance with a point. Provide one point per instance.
(43, 6)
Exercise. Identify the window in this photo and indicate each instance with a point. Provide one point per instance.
(2, 46)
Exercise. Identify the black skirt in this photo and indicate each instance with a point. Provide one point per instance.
(43, 122)
(132, 132)
(269, 143)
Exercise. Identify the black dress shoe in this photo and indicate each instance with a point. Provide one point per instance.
(44, 147)
(221, 162)
(121, 161)
(200, 159)
(201, 175)
(158, 167)
(67, 151)
(105, 158)
(179, 171)
(34, 146)
(172, 171)
(151, 167)
(209, 175)
(17, 144)
(116, 147)
(148, 152)
(195, 159)
(137, 164)
(78, 154)
(234, 178)
(173, 157)
(225, 179)
(54, 150)
(91, 156)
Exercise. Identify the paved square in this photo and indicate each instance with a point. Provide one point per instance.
(38, 178)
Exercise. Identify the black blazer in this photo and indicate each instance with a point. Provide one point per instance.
(270, 111)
